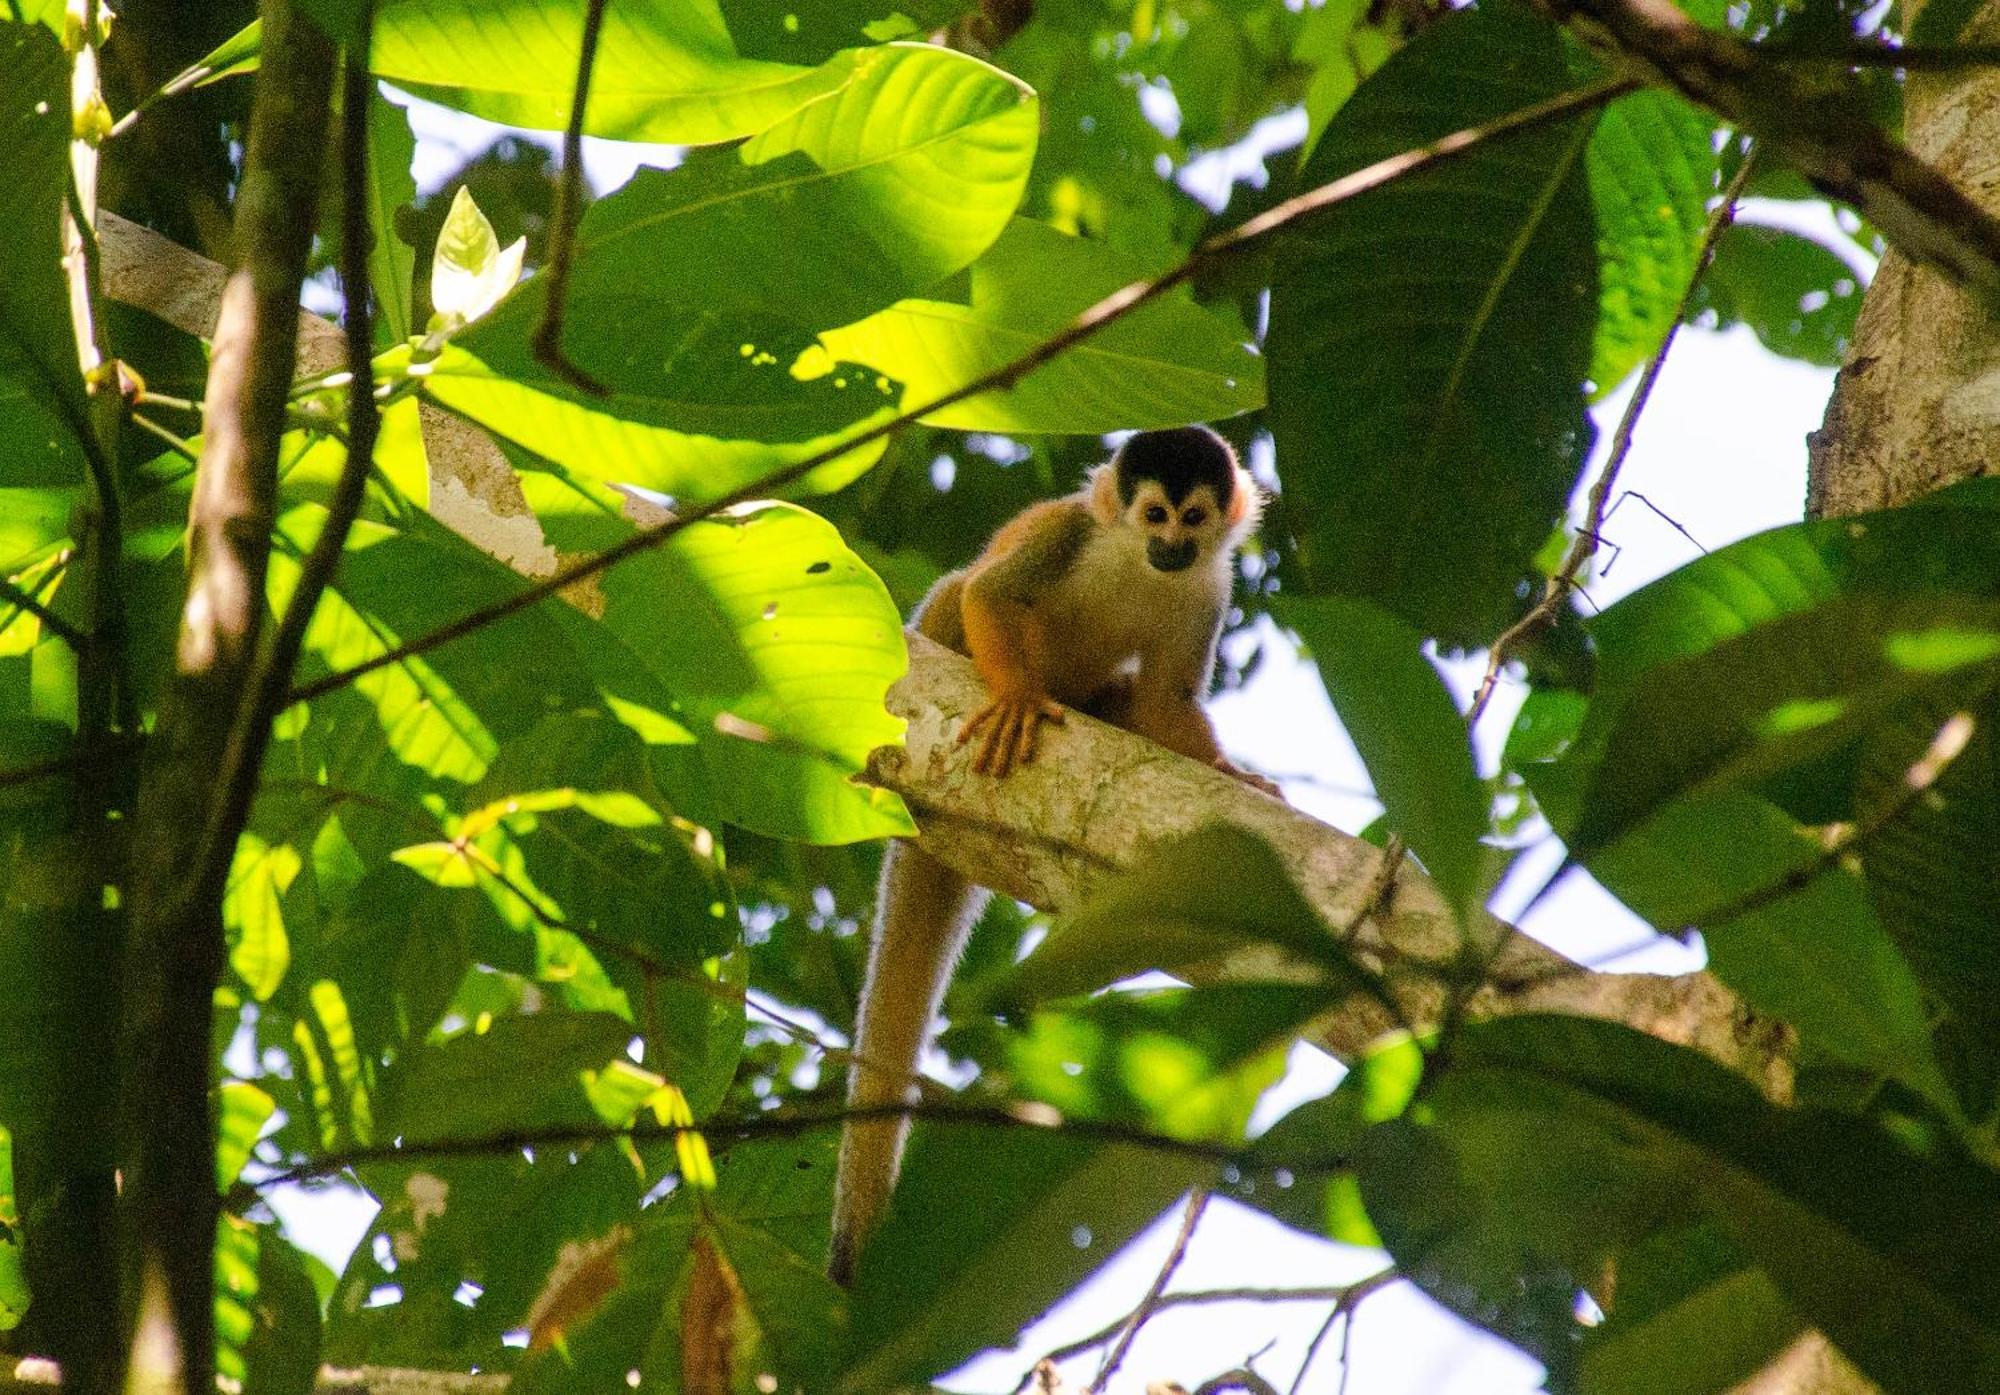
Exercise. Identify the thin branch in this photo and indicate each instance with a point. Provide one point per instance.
(1105, 312)
(1872, 53)
(250, 734)
(23, 599)
(1944, 747)
(546, 340)
(179, 445)
(1197, 1203)
(1584, 547)
(722, 1132)
(1343, 1307)
(1188, 1298)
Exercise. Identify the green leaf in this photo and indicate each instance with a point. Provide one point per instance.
(521, 1073)
(1343, 49)
(1429, 340)
(1932, 871)
(13, 1271)
(253, 914)
(663, 72)
(276, 1338)
(778, 646)
(470, 271)
(1779, 696)
(990, 1227)
(1183, 1063)
(242, 1111)
(1688, 1317)
(41, 386)
(1886, 1243)
(1168, 364)
(391, 149)
(1408, 730)
(1945, 542)
(707, 420)
(1799, 296)
(1309, 1188)
(1651, 164)
(1171, 912)
(1818, 957)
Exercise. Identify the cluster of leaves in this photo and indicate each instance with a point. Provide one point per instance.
(484, 893)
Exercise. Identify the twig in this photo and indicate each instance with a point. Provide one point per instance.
(23, 599)
(1189, 1298)
(1584, 547)
(1944, 747)
(784, 1124)
(179, 445)
(1343, 1307)
(1242, 1378)
(271, 677)
(1105, 312)
(547, 338)
(1197, 1203)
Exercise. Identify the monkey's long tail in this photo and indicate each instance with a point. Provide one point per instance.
(924, 911)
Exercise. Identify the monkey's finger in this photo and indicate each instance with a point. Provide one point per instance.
(979, 719)
(1010, 744)
(1053, 711)
(992, 745)
(1031, 732)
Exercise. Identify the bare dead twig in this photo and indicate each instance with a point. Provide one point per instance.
(1343, 1307)
(1105, 312)
(1584, 547)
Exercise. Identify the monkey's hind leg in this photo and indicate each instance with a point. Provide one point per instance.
(924, 911)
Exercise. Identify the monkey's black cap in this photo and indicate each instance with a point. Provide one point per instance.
(1180, 459)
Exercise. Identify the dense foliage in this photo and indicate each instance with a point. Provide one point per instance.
(600, 864)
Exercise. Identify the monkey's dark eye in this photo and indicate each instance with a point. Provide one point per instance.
(1193, 517)
(1156, 514)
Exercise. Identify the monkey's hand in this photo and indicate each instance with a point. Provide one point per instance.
(1012, 722)
(1249, 777)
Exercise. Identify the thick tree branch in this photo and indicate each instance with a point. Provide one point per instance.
(176, 951)
(1099, 797)
(1825, 134)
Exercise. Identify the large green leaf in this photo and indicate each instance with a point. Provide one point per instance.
(1429, 340)
(1171, 912)
(1651, 164)
(1184, 1063)
(1933, 871)
(1689, 1316)
(1885, 1249)
(778, 645)
(1946, 541)
(41, 386)
(391, 148)
(793, 33)
(1780, 696)
(663, 73)
(1817, 957)
(990, 1227)
(1409, 733)
(1168, 364)
(732, 262)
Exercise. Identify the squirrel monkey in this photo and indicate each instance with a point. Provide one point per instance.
(1110, 600)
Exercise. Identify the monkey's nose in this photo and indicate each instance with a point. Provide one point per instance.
(1171, 557)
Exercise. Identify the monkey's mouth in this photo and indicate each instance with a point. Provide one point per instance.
(1171, 557)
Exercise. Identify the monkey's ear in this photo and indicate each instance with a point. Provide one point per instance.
(1103, 490)
(1243, 499)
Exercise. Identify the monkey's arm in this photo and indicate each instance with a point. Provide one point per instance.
(1008, 636)
(1174, 675)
